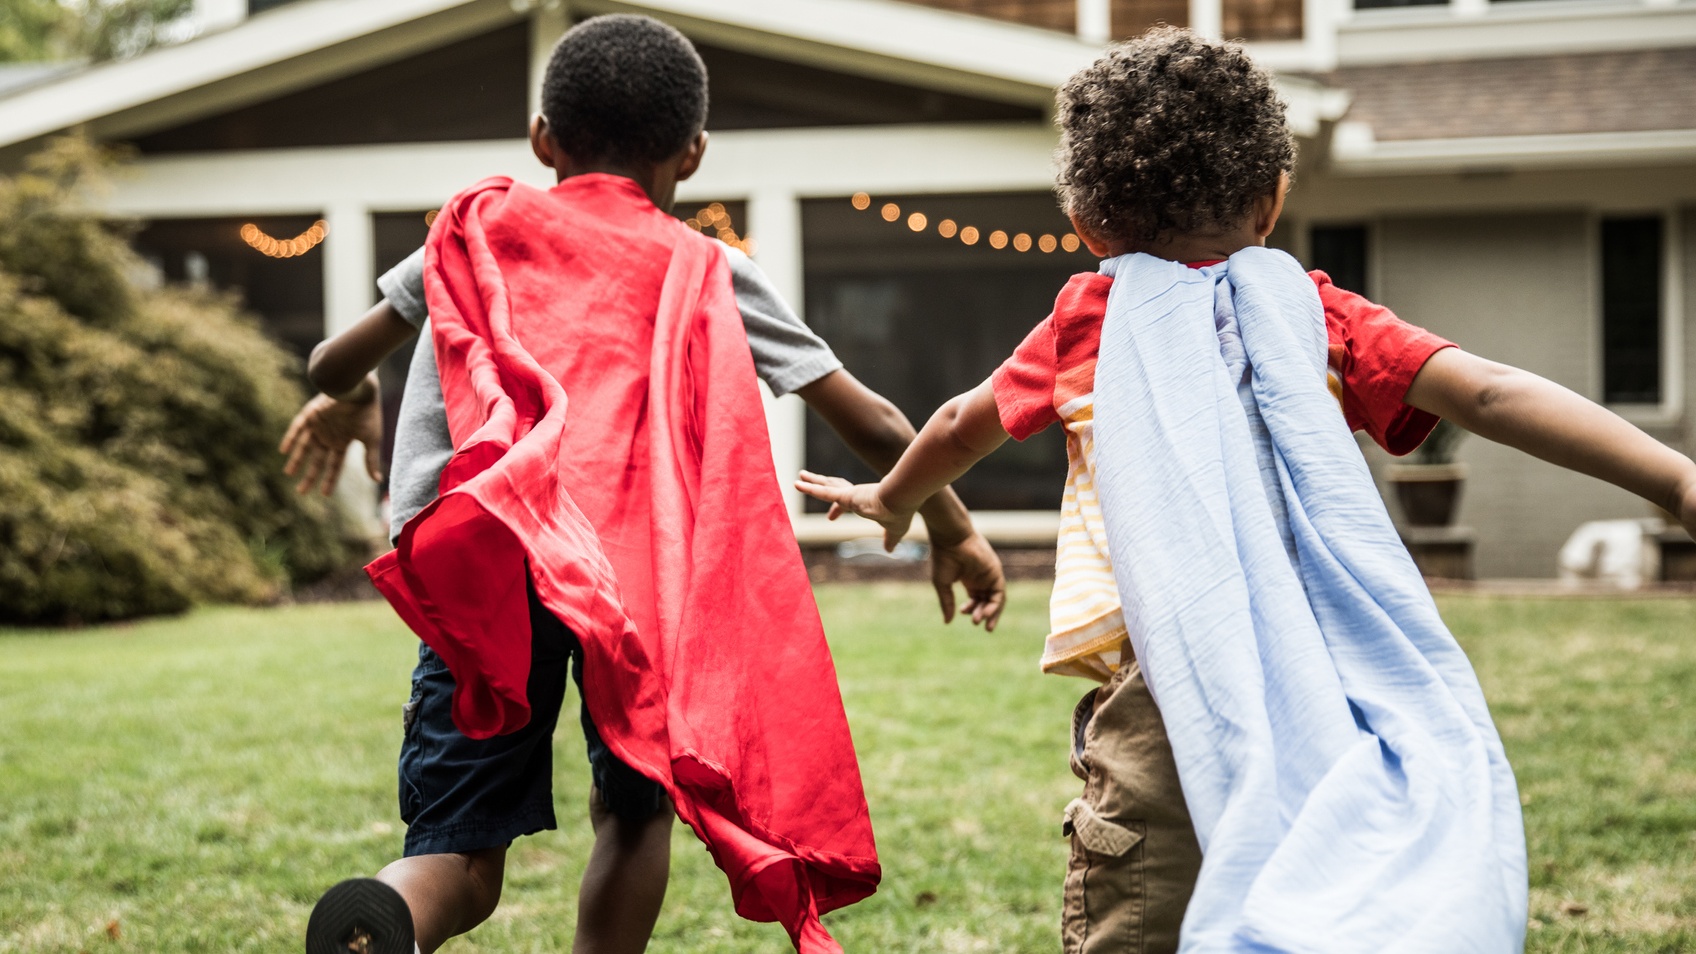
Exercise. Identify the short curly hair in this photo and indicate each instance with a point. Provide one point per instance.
(1169, 133)
(624, 88)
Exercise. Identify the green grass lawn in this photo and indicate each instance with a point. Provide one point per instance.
(198, 781)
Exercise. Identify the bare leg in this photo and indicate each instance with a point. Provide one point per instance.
(448, 894)
(624, 884)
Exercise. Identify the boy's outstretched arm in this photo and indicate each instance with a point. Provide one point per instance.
(877, 432)
(1538, 416)
(347, 410)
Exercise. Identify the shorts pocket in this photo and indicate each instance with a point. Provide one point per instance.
(410, 762)
(1105, 896)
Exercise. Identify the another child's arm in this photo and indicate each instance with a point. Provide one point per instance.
(342, 368)
(1538, 416)
(961, 433)
(877, 432)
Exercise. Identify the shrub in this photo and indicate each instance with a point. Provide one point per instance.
(138, 427)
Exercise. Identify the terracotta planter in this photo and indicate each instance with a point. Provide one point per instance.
(1428, 493)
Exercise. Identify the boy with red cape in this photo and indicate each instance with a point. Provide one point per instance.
(611, 500)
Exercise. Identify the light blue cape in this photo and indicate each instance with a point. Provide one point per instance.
(1348, 788)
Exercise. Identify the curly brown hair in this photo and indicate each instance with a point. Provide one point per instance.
(1169, 133)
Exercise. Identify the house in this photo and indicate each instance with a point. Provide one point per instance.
(1518, 175)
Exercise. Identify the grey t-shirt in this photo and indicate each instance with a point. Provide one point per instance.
(787, 355)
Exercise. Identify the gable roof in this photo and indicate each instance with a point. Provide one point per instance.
(313, 41)
(269, 53)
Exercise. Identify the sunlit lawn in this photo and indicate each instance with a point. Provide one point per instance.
(193, 784)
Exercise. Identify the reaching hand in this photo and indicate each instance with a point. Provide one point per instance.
(861, 499)
(973, 564)
(316, 442)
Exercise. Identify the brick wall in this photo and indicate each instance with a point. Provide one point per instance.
(1262, 19)
(1134, 17)
(1048, 14)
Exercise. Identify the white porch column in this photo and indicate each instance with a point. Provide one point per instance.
(1207, 17)
(1471, 8)
(349, 291)
(1095, 21)
(774, 223)
(547, 24)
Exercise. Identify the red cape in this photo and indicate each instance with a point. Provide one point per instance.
(610, 437)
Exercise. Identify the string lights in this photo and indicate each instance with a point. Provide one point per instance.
(969, 234)
(716, 221)
(305, 242)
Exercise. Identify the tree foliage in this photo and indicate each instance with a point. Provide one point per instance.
(138, 427)
(34, 30)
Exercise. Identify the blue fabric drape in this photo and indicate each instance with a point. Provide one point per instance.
(1347, 785)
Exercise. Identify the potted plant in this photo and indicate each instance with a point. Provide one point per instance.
(1428, 485)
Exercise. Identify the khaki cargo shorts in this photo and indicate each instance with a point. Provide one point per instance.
(1134, 853)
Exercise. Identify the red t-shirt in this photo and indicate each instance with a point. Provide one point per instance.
(1373, 354)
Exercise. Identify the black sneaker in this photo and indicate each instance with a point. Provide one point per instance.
(360, 916)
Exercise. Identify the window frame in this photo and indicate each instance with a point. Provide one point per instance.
(1670, 409)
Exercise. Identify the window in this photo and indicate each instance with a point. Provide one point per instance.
(287, 293)
(1340, 252)
(1632, 305)
(922, 301)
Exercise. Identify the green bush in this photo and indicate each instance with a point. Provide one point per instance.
(138, 427)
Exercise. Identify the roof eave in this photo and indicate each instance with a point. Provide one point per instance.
(1354, 151)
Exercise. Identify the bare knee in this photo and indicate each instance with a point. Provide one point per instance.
(625, 830)
(486, 871)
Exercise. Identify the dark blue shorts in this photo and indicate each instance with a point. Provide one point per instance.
(459, 794)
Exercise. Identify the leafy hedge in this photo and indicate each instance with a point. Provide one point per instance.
(138, 428)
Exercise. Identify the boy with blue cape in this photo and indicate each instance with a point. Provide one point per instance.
(1289, 752)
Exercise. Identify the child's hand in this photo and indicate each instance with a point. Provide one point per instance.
(861, 499)
(973, 564)
(316, 442)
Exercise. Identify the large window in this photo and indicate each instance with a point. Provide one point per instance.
(271, 262)
(922, 297)
(1340, 251)
(1633, 253)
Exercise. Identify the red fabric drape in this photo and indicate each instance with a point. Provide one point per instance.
(610, 440)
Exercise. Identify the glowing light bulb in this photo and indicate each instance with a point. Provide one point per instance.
(890, 212)
(946, 228)
(998, 239)
(1069, 242)
(917, 221)
(1022, 242)
(861, 201)
(1047, 243)
(969, 235)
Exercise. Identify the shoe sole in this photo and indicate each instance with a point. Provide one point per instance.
(360, 916)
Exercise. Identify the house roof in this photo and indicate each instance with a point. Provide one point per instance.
(17, 76)
(313, 41)
(1637, 91)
